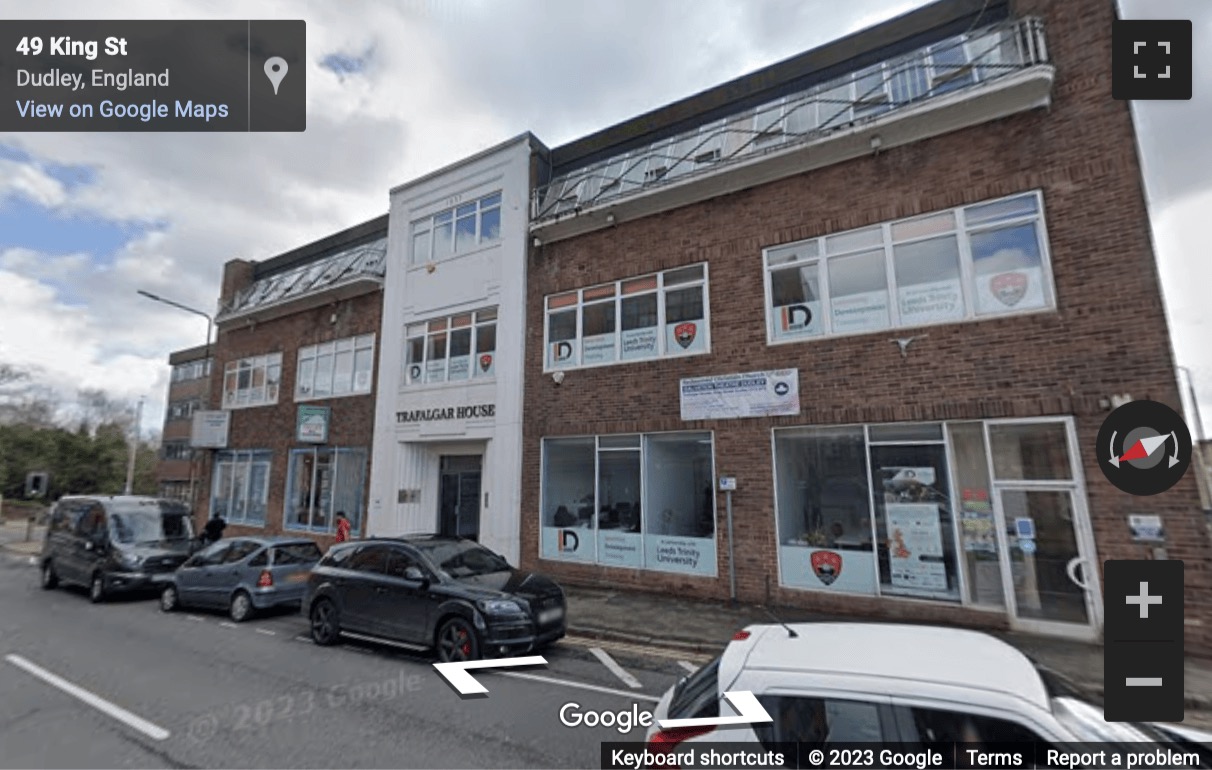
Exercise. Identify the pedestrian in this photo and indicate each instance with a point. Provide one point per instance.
(343, 527)
(214, 528)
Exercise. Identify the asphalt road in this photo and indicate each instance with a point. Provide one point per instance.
(124, 685)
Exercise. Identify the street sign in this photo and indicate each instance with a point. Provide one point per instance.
(210, 429)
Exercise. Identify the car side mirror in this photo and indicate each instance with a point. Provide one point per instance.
(90, 546)
(416, 575)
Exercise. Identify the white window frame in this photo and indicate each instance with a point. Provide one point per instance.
(250, 459)
(428, 226)
(963, 233)
(335, 456)
(423, 330)
(306, 391)
(247, 398)
(661, 290)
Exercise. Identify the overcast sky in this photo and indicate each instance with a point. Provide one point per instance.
(397, 89)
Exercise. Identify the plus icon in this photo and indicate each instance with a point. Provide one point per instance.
(1144, 600)
(1151, 59)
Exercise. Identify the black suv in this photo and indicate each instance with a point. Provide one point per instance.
(429, 591)
(111, 544)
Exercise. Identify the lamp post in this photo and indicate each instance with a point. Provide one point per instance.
(210, 325)
(1201, 475)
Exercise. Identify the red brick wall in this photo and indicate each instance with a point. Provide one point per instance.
(1081, 153)
(273, 427)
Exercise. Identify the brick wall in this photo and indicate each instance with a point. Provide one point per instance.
(273, 427)
(1081, 153)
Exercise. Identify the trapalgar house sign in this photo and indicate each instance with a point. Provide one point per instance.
(471, 412)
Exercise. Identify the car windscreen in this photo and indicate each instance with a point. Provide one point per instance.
(149, 524)
(296, 553)
(698, 695)
(462, 558)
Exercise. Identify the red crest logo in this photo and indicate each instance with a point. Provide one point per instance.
(827, 566)
(485, 362)
(1009, 288)
(684, 334)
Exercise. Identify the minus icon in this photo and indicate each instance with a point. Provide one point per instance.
(1144, 681)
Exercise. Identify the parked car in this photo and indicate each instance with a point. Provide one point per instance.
(429, 591)
(114, 544)
(867, 683)
(243, 575)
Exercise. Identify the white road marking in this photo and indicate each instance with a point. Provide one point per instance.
(33, 561)
(577, 685)
(266, 631)
(303, 639)
(227, 624)
(152, 731)
(646, 652)
(688, 666)
(195, 617)
(615, 668)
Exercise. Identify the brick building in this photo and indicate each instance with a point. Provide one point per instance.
(178, 471)
(882, 286)
(295, 362)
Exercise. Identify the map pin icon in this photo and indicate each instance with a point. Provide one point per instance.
(275, 70)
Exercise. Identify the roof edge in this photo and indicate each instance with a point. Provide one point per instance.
(525, 136)
(330, 244)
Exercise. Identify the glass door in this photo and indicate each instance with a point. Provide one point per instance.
(1044, 532)
(459, 496)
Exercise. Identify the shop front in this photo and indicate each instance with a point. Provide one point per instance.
(985, 514)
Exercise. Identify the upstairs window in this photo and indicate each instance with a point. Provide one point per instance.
(451, 349)
(340, 368)
(252, 381)
(456, 230)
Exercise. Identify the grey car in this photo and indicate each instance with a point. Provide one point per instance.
(243, 575)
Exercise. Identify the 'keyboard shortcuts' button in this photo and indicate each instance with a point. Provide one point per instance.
(1144, 682)
(1144, 601)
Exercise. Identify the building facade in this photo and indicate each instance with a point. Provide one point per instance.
(295, 362)
(879, 287)
(449, 426)
(178, 473)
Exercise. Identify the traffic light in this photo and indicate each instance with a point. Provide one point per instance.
(36, 484)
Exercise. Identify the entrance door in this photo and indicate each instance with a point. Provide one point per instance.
(459, 496)
(1046, 540)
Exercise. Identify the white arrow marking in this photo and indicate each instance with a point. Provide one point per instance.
(1174, 457)
(745, 703)
(465, 684)
(1114, 457)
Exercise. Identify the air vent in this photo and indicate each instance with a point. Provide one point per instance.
(653, 174)
(707, 157)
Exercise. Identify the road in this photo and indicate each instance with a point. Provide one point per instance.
(124, 685)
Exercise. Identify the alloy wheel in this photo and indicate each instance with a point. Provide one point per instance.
(241, 607)
(457, 641)
(325, 627)
(168, 599)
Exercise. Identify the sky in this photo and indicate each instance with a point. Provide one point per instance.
(399, 89)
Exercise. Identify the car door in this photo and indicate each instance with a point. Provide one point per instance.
(404, 604)
(61, 539)
(358, 590)
(206, 580)
(232, 571)
(89, 544)
(189, 575)
(817, 721)
(977, 728)
(290, 565)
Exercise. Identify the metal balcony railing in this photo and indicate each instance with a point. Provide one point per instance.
(365, 261)
(959, 63)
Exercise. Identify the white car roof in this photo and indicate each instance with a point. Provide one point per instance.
(908, 653)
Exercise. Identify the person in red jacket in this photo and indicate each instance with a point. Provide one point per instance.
(343, 527)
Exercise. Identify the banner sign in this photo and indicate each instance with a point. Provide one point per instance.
(915, 551)
(209, 430)
(312, 425)
(734, 396)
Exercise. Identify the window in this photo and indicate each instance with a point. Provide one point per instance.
(241, 550)
(296, 553)
(817, 722)
(340, 368)
(456, 230)
(191, 370)
(323, 482)
(926, 726)
(963, 264)
(372, 558)
(398, 562)
(252, 381)
(697, 696)
(241, 486)
(630, 320)
(177, 450)
(183, 410)
(451, 349)
(638, 501)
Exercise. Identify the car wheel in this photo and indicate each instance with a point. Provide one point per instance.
(169, 601)
(241, 608)
(50, 579)
(96, 589)
(457, 641)
(325, 623)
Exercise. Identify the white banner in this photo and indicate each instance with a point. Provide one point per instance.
(733, 396)
(209, 430)
(915, 548)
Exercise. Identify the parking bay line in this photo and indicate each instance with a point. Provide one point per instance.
(155, 732)
(614, 668)
(690, 667)
(267, 632)
(576, 685)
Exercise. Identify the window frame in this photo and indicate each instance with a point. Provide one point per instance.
(311, 354)
(250, 459)
(444, 327)
(963, 234)
(661, 290)
(334, 457)
(242, 397)
(429, 225)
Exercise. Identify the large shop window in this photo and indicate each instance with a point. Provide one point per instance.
(665, 314)
(639, 501)
(967, 263)
(452, 349)
(339, 368)
(457, 230)
(252, 381)
(241, 486)
(323, 482)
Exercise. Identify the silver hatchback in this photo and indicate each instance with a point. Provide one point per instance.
(243, 575)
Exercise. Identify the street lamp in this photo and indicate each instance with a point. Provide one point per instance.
(1199, 423)
(210, 323)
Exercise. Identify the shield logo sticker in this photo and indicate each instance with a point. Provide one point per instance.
(826, 565)
(1009, 288)
(485, 362)
(684, 334)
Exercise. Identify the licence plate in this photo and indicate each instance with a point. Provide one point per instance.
(548, 616)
